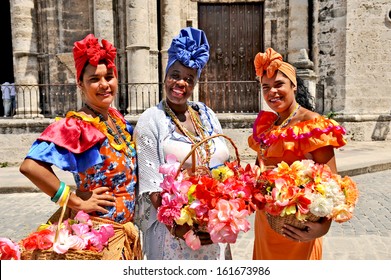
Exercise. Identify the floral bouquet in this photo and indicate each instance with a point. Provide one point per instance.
(307, 190)
(217, 202)
(9, 250)
(77, 236)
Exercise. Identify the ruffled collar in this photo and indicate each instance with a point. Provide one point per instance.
(266, 132)
(101, 126)
(264, 122)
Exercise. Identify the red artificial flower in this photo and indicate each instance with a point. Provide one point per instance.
(42, 240)
(9, 250)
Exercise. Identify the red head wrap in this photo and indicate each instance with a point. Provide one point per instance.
(271, 61)
(89, 50)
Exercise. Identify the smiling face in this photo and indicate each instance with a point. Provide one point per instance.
(278, 92)
(179, 84)
(99, 86)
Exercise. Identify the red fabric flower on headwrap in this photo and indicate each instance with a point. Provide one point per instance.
(89, 50)
(271, 61)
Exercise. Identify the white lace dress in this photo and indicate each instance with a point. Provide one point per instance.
(155, 137)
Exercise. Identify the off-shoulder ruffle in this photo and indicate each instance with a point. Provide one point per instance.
(73, 134)
(73, 143)
(64, 159)
(302, 138)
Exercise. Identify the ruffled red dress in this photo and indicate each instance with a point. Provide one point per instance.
(289, 144)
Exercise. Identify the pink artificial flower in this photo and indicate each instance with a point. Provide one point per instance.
(168, 184)
(63, 243)
(80, 229)
(171, 166)
(9, 250)
(222, 233)
(96, 240)
(106, 231)
(192, 240)
(226, 221)
(83, 217)
(167, 213)
(76, 242)
(200, 208)
(184, 189)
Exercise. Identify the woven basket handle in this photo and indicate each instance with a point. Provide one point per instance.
(64, 207)
(194, 146)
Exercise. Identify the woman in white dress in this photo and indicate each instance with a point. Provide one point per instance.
(171, 127)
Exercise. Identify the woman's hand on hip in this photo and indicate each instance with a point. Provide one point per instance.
(95, 200)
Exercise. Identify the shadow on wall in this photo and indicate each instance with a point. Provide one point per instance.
(382, 128)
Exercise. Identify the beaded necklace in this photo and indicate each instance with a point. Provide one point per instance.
(263, 145)
(289, 118)
(204, 150)
(123, 143)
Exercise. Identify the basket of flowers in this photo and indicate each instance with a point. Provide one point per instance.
(77, 238)
(68, 235)
(73, 239)
(217, 201)
(306, 191)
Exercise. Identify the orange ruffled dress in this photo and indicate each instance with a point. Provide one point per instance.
(289, 144)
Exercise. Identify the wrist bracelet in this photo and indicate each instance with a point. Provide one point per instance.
(59, 192)
(64, 196)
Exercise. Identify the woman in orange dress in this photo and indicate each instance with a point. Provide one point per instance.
(290, 133)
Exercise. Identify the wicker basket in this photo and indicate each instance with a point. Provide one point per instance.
(277, 222)
(69, 255)
(201, 170)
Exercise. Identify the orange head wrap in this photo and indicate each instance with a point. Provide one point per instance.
(271, 61)
(89, 50)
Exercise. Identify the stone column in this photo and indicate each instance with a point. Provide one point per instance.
(137, 50)
(171, 25)
(304, 69)
(25, 52)
(104, 24)
(298, 28)
(104, 20)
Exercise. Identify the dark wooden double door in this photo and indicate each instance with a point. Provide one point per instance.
(235, 35)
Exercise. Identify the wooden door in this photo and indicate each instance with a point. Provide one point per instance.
(235, 35)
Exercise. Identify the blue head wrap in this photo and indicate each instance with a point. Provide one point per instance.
(191, 48)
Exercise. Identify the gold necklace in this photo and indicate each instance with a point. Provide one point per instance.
(203, 150)
(118, 138)
(289, 118)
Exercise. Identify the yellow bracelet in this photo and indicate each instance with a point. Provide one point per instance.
(64, 196)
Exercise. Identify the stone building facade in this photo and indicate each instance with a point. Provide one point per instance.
(341, 47)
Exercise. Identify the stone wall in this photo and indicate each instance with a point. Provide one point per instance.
(331, 55)
(350, 47)
(276, 25)
(353, 65)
